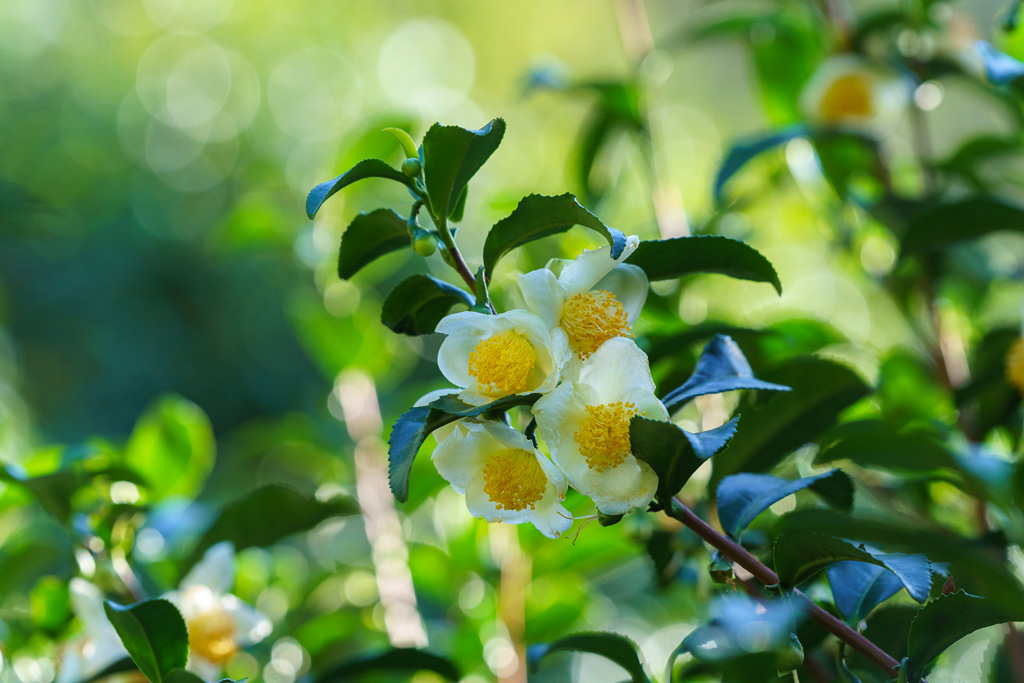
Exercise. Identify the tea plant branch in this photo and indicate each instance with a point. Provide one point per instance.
(741, 556)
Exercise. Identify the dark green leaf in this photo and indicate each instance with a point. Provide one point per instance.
(53, 491)
(419, 302)
(944, 224)
(183, 676)
(268, 514)
(395, 660)
(946, 620)
(154, 634)
(858, 587)
(799, 555)
(369, 236)
(451, 156)
(784, 421)
(538, 216)
(457, 212)
(119, 667)
(612, 646)
(673, 453)
(742, 152)
(742, 497)
(721, 367)
(711, 441)
(679, 256)
(989, 396)
(875, 444)
(367, 168)
(453, 405)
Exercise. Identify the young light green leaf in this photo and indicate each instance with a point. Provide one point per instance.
(396, 660)
(681, 256)
(154, 634)
(451, 156)
(946, 620)
(673, 453)
(405, 140)
(367, 168)
(368, 237)
(419, 302)
(539, 216)
(612, 646)
(943, 224)
(172, 447)
(742, 497)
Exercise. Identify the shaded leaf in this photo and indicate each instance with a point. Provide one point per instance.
(673, 453)
(451, 156)
(721, 367)
(943, 224)
(367, 168)
(394, 660)
(53, 491)
(679, 256)
(417, 304)
(612, 646)
(742, 497)
(742, 152)
(539, 216)
(369, 236)
(172, 447)
(858, 587)
(946, 620)
(875, 444)
(154, 634)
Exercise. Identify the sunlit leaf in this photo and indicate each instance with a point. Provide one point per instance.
(539, 216)
(397, 660)
(451, 156)
(154, 634)
(417, 304)
(369, 236)
(679, 256)
(742, 497)
(858, 587)
(367, 168)
(611, 646)
(673, 453)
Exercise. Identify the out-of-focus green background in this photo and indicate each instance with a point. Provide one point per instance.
(154, 160)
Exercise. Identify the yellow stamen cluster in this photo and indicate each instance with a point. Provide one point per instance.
(849, 96)
(514, 480)
(603, 436)
(211, 635)
(502, 363)
(591, 319)
(1015, 365)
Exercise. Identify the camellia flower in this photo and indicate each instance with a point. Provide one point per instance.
(504, 477)
(847, 90)
(491, 356)
(98, 646)
(586, 425)
(219, 624)
(1015, 364)
(593, 299)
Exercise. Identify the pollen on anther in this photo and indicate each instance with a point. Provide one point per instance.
(591, 319)
(514, 480)
(502, 364)
(603, 435)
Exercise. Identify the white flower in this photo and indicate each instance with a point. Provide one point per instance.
(504, 477)
(846, 90)
(593, 299)
(99, 646)
(586, 426)
(219, 624)
(491, 356)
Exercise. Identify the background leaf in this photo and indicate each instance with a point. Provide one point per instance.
(367, 168)
(858, 587)
(611, 646)
(417, 304)
(395, 660)
(742, 152)
(742, 497)
(451, 156)
(368, 237)
(154, 634)
(943, 224)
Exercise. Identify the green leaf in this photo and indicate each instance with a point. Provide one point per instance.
(742, 497)
(413, 427)
(53, 491)
(539, 216)
(451, 156)
(800, 554)
(722, 367)
(367, 168)
(781, 423)
(946, 620)
(989, 396)
(368, 237)
(673, 453)
(680, 256)
(183, 676)
(266, 515)
(878, 445)
(405, 140)
(419, 302)
(745, 150)
(611, 646)
(405, 660)
(459, 209)
(154, 634)
(172, 447)
(944, 224)
(858, 587)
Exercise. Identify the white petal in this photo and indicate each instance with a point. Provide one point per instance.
(551, 518)
(216, 571)
(251, 625)
(87, 603)
(618, 490)
(467, 322)
(589, 267)
(629, 284)
(617, 368)
(457, 460)
(453, 358)
(431, 396)
(554, 412)
(543, 295)
(203, 667)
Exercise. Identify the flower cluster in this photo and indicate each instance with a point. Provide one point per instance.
(573, 345)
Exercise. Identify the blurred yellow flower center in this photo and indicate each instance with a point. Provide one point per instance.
(502, 363)
(514, 480)
(211, 635)
(1015, 365)
(591, 319)
(603, 436)
(849, 96)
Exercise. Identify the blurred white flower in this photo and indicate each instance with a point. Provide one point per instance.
(586, 425)
(847, 90)
(219, 624)
(98, 646)
(491, 356)
(504, 477)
